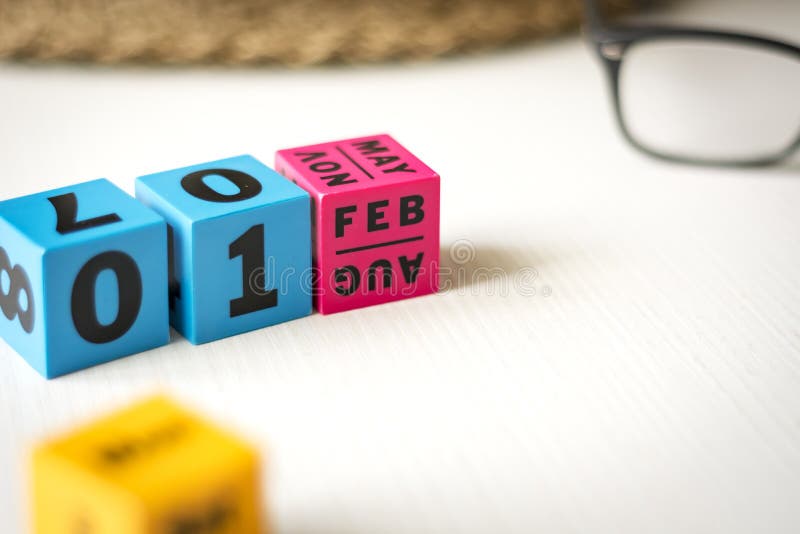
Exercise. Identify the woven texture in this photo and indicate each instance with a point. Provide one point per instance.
(298, 32)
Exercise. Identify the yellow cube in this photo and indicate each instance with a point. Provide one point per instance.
(152, 468)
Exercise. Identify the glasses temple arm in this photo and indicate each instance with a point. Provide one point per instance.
(593, 14)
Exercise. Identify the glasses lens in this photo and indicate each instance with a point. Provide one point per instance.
(712, 101)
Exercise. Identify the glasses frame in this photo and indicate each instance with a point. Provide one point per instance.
(612, 42)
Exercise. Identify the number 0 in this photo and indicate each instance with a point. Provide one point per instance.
(84, 308)
(84, 301)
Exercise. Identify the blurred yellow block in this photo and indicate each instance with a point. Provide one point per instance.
(153, 468)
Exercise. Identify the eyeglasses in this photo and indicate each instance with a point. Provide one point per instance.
(701, 96)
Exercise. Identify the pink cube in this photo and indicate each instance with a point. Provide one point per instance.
(375, 220)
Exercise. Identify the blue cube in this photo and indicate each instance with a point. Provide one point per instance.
(240, 246)
(83, 277)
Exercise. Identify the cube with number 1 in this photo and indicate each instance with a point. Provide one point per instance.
(239, 246)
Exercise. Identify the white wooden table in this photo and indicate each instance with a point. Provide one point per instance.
(634, 367)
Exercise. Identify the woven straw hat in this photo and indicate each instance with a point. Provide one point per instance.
(292, 32)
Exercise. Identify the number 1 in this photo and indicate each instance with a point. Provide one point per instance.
(250, 246)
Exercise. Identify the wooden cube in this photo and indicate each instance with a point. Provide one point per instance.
(83, 277)
(153, 468)
(376, 220)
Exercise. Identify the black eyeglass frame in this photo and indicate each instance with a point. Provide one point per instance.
(612, 41)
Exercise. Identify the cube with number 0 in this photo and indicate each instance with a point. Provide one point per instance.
(240, 246)
(83, 277)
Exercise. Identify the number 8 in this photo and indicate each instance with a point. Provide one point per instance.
(18, 282)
